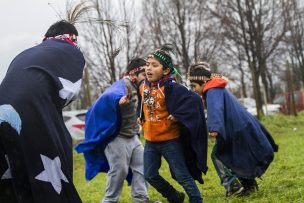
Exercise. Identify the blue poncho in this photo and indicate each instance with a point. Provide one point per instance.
(103, 122)
(35, 146)
(244, 145)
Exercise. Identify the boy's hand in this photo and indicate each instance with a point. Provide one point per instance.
(171, 118)
(213, 134)
(140, 121)
(124, 100)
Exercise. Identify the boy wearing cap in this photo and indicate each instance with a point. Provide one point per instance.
(244, 148)
(174, 128)
(111, 137)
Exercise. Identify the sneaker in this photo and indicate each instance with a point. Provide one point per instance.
(179, 198)
(250, 186)
(235, 189)
(150, 201)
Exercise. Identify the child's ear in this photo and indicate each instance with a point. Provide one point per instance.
(166, 71)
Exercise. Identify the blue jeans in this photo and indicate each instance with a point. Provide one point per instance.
(172, 151)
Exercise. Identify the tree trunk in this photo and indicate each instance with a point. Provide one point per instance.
(292, 104)
(87, 86)
(243, 84)
(256, 89)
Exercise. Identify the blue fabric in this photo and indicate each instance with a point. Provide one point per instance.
(243, 144)
(10, 115)
(187, 107)
(172, 151)
(102, 125)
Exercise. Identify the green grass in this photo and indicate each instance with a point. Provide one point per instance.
(282, 182)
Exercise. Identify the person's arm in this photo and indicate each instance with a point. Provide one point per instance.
(139, 109)
(124, 100)
(171, 118)
(215, 110)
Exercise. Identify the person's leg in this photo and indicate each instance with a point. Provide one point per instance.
(139, 185)
(173, 153)
(250, 185)
(14, 185)
(7, 193)
(152, 163)
(228, 179)
(116, 154)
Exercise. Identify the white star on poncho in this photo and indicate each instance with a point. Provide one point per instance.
(70, 90)
(7, 174)
(52, 173)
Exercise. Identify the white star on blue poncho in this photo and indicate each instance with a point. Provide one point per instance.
(70, 90)
(52, 172)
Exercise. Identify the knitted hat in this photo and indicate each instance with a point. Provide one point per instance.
(198, 71)
(163, 56)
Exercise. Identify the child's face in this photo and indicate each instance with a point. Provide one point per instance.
(140, 77)
(196, 87)
(154, 70)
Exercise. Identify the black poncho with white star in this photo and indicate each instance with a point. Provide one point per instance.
(35, 146)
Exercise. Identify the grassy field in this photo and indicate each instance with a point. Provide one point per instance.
(282, 182)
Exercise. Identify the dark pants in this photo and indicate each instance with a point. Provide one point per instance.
(226, 176)
(172, 151)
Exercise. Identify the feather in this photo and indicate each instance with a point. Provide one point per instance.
(167, 49)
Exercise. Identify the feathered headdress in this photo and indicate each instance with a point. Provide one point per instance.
(201, 71)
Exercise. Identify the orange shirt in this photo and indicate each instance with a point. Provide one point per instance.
(156, 126)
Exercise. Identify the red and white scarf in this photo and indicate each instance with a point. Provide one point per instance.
(70, 38)
(130, 74)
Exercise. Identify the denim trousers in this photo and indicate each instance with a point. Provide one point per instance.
(172, 151)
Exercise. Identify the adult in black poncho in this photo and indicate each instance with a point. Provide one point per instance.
(35, 146)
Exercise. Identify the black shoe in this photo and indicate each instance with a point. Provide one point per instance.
(235, 189)
(250, 186)
(179, 198)
(150, 201)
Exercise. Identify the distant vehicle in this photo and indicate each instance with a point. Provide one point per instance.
(284, 99)
(75, 123)
(250, 106)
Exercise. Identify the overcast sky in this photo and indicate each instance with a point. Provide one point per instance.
(23, 24)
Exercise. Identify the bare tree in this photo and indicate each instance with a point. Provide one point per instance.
(154, 23)
(100, 42)
(184, 24)
(134, 44)
(257, 27)
(295, 37)
(74, 13)
(103, 43)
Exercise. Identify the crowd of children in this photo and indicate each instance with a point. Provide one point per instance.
(174, 128)
(35, 147)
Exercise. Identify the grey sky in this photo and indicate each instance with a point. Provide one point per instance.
(23, 24)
